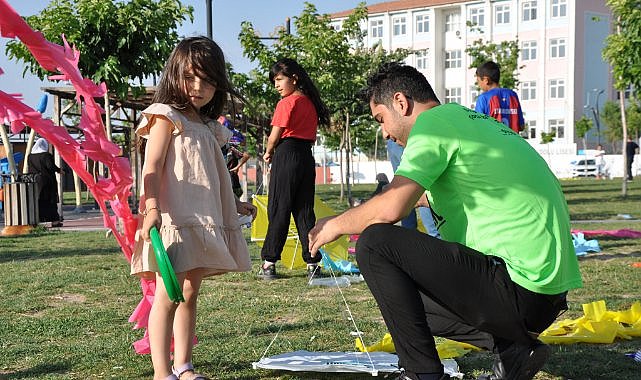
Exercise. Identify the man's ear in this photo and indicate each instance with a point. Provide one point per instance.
(401, 103)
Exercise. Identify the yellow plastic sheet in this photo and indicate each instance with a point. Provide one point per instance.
(292, 257)
(447, 349)
(598, 325)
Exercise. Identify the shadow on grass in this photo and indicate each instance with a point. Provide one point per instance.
(609, 256)
(40, 247)
(37, 371)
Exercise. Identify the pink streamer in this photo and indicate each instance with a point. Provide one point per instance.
(116, 188)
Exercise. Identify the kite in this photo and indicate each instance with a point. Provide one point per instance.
(113, 190)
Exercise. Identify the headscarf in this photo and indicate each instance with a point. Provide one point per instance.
(41, 146)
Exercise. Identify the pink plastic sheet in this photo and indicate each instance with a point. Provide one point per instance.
(113, 190)
(623, 233)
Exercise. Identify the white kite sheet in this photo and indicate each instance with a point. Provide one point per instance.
(347, 362)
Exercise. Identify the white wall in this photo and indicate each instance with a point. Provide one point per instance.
(365, 172)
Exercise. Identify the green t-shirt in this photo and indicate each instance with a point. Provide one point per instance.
(491, 191)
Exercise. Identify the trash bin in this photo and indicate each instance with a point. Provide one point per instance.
(20, 200)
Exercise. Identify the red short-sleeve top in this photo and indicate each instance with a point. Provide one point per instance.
(297, 116)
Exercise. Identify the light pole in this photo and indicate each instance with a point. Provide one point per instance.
(208, 5)
(597, 119)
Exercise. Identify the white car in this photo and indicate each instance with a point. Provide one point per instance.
(585, 167)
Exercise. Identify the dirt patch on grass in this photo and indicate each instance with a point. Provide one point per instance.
(69, 298)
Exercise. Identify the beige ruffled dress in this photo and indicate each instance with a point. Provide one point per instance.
(200, 226)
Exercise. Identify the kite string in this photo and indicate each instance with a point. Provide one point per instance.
(349, 311)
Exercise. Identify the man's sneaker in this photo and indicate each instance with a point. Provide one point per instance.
(519, 362)
(268, 273)
(406, 375)
(314, 271)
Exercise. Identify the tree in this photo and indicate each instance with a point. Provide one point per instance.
(505, 54)
(582, 126)
(120, 41)
(611, 117)
(623, 50)
(336, 59)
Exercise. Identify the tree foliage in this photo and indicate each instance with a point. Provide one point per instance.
(623, 49)
(611, 117)
(336, 59)
(582, 126)
(120, 41)
(504, 53)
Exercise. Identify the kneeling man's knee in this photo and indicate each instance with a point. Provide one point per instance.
(371, 238)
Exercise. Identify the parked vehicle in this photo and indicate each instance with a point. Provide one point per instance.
(586, 167)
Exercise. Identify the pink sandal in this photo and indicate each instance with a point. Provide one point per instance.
(187, 367)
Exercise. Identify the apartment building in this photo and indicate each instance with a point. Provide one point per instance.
(563, 77)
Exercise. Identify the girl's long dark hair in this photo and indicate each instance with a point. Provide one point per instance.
(290, 68)
(208, 62)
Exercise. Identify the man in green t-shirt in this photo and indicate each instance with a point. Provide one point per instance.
(500, 275)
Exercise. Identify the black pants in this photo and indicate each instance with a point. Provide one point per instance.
(426, 287)
(630, 159)
(291, 192)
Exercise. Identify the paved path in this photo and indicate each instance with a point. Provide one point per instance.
(89, 220)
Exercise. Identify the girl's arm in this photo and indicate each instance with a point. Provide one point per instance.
(244, 156)
(156, 152)
(272, 141)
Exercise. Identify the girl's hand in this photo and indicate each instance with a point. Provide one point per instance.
(246, 208)
(151, 219)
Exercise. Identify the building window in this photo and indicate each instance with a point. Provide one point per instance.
(477, 17)
(528, 90)
(559, 8)
(502, 14)
(453, 95)
(421, 60)
(557, 126)
(557, 47)
(376, 28)
(399, 26)
(557, 88)
(529, 11)
(422, 24)
(452, 22)
(528, 50)
(531, 126)
(474, 94)
(453, 59)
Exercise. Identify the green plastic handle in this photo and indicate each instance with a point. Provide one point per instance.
(166, 270)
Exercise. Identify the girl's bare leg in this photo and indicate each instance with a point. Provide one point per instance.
(161, 318)
(185, 319)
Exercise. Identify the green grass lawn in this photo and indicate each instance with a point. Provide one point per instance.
(66, 297)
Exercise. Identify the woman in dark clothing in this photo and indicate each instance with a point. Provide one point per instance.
(41, 162)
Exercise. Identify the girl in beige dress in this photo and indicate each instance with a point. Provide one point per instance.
(187, 195)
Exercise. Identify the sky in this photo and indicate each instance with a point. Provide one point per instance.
(265, 15)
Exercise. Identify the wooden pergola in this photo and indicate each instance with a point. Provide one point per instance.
(122, 116)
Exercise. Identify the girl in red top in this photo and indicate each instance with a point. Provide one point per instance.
(293, 172)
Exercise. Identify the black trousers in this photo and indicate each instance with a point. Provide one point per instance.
(629, 163)
(291, 193)
(426, 286)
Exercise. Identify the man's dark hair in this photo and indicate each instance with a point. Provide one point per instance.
(395, 77)
(491, 70)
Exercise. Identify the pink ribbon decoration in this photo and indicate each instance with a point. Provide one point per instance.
(116, 188)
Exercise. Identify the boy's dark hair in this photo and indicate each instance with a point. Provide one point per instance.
(208, 62)
(395, 77)
(292, 69)
(491, 70)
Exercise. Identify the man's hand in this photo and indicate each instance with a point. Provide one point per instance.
(322, 233)
(246, 208)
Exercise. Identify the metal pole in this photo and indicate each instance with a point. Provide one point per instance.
(596, 115)
(209, 19)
